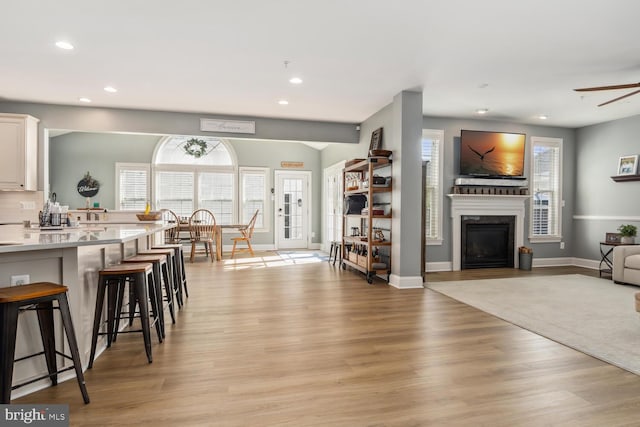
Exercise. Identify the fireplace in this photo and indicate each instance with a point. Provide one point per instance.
(485, 205)
(487, 241)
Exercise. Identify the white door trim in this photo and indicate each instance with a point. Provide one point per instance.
(334, 169)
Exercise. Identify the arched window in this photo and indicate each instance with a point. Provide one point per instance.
(192, 172)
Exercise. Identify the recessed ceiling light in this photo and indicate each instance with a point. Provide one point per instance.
(482, 111)
(543, 117)
(64, 45)
(83, 99)
(110, 89)
(295, 80)
(283, 102)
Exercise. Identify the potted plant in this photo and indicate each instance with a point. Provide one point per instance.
(628, 233)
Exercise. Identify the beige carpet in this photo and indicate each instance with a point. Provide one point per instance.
(594, 316)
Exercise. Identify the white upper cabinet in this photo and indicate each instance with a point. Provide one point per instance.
(19, 152)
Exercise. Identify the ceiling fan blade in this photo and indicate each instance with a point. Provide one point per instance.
(626, 86)
(619, 98)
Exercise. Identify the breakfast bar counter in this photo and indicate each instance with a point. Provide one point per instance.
(73, 257)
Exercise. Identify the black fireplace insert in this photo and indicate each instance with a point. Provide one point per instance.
(487, 241)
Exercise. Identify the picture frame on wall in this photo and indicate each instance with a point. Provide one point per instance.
(628, 165)
(376, 140)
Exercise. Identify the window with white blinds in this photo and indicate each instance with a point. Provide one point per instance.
(174, 190)
(546, 186)
(215, 192)
(432, 187)
(132, 186)
(253, 188)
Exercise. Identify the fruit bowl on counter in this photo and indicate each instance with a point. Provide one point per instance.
(151, 216)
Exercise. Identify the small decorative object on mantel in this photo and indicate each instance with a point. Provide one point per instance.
(628, 233)
(88, 186)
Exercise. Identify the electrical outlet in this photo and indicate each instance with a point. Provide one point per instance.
(561, 245)
(28, 205)
(20, 279)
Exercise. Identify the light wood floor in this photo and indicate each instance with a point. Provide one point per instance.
(296, 343)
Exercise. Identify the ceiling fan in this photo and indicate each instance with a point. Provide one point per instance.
(626, 86)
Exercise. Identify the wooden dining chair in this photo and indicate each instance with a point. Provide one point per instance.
(246, 234)
(202, 229)
(169, 217)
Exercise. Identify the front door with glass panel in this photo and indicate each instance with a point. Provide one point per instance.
(292, 209)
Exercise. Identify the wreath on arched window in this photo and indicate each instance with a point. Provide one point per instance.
(196, 147)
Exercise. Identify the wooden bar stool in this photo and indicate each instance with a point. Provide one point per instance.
(140, 279)
(161, 274)
(41, 296)
(180, 278)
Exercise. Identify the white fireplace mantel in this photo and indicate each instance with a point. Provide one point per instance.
(485, 204)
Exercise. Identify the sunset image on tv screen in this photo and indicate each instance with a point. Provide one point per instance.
(491, 153)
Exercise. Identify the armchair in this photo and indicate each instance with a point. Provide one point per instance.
(626, 264)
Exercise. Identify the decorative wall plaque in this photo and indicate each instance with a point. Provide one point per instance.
(88, 186)
(292, 165)
(227, 126)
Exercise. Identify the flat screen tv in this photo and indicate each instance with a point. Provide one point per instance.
(491, 154)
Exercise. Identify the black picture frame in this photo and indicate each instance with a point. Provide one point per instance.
(376, 140)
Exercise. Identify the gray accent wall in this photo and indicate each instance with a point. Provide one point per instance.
(451, 147)
(74, 154)
(602, 204)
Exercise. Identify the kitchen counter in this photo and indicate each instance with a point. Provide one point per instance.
(16, 238)
(73, 257)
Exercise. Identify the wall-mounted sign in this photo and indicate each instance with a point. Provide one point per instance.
(292, 165)
(88, 186)
(227, 126)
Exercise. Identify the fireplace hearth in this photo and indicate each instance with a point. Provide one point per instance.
(485, 205)
(487, 241)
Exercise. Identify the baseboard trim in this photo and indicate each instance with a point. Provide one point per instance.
(586, 263)
(405, 282)
(432, 267)
(552, 262)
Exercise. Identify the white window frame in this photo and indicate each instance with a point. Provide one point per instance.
(437, 134)
(557, 209)
(146, 167)
(197, 170)
(266, 211)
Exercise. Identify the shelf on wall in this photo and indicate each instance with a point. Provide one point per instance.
(623, 178)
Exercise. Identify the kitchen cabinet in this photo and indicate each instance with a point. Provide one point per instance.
(366, 241)
(19, 160)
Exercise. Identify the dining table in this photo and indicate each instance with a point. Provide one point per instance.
(184, 228)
